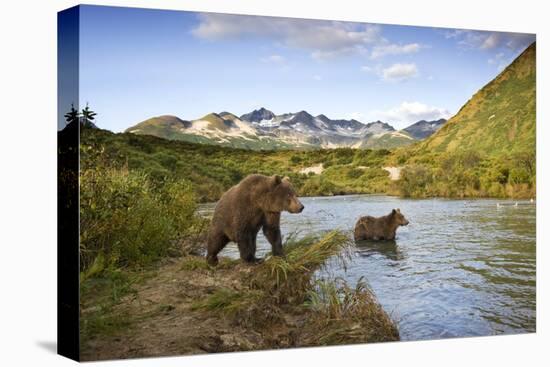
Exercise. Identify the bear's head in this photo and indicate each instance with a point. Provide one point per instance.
(282, 196)
(399, 218)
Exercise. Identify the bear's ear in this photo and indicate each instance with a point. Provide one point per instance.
(286, 179)
(394, 211)
(276, 179)
(398, 210)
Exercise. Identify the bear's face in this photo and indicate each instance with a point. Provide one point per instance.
(283, 197)
(399, 218)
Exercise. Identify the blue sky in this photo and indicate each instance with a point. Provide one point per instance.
(139, 63)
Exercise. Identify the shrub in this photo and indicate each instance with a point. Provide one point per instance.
(355, 173)
(125, 220)
(318, 185)
(519, 175)
(415, 180)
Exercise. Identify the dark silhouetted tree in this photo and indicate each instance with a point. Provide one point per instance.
(73, 115)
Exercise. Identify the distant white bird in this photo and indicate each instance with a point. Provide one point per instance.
(516, 204)
(532, 200)
(498, 205)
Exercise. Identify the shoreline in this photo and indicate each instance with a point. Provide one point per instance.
(413, 198)
(185, 306)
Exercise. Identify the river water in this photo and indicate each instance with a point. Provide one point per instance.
(460, 268)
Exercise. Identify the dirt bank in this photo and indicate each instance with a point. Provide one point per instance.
(394, 172)
(186, 307)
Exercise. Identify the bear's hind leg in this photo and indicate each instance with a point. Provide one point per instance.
(216, 243)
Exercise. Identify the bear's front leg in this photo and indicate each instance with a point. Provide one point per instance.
(272, 232)
(247, 249)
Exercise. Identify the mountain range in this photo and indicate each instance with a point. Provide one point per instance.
(263, 129)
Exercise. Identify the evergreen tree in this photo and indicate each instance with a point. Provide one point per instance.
(72, 116)
(88, 116)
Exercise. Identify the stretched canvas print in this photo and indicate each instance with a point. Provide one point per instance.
(238, 183)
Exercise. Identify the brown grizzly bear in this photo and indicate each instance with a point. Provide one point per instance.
(383, 228)
(256, 202)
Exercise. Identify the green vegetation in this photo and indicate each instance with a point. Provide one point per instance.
(280, 287)
(499, 119)
(390, 141)
(194, 308)
(335, 303)
(469, 174)
(211, 170)
(138, 199)
(487, 149)
(125, 220)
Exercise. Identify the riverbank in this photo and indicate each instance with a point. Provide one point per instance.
(187, 307)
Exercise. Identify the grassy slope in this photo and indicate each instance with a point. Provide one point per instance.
(389, 141)
(499, 118)
(213, 169)
(487, 149)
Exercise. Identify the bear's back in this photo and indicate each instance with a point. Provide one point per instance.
(375, 226)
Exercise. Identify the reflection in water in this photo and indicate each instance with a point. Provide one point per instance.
(461, 268)
(387, 248)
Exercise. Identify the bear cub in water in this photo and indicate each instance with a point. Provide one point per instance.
(382, 228)
(256, 202)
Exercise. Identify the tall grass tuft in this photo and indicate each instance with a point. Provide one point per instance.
(343, 313)
(288, 279)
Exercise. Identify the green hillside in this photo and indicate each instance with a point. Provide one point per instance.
(488, 149)
(390, 141)
(212, 169)
(167, 126)
(498, 119)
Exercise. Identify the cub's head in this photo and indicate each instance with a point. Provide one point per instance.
(282, 196)
(399, 218)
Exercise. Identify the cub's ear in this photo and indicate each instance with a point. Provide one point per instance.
(286, 179)
(394, 211)
(398, 210)
(276, 179)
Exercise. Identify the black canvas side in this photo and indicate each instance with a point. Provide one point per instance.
(67, 186)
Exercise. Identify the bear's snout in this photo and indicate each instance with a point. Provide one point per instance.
(296, 207)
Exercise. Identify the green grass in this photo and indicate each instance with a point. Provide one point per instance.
(99, 294)
(347, 314)
(499, 119)
(211, 170)
(333, 312)
(488, 149)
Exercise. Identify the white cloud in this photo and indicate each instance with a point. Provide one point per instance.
(324, 39)
(394, 49)
(455, 33)
(486, 40)
(410, 112)
(500, 60)
(273, 59)
(499, 56)
(367, 69)
(399, 72)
